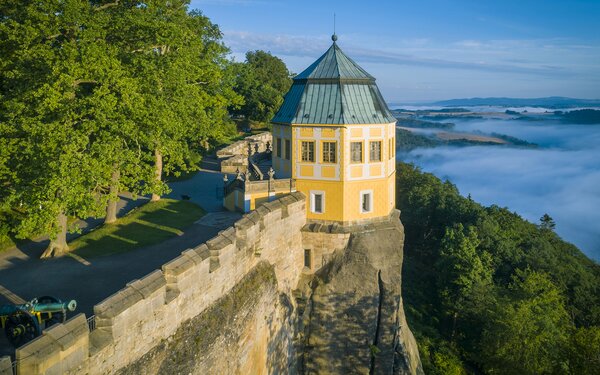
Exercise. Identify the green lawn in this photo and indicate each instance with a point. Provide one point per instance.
(149, 224)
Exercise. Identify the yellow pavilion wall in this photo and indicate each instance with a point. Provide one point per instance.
(342, 199)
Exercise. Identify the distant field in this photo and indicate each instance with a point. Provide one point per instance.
(469, 137)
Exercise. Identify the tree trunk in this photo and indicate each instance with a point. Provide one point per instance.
(158, 165)
(454, 319)
(113, 199)
(58, 246)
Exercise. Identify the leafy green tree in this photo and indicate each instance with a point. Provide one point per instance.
(584, 351)
(262, 81)
(529, 330)
(50, 105)
(96, 98)
(180, 69)
(465, 276)
(429, 209)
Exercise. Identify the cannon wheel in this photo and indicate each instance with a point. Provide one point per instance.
(50, 319)
(21, 327)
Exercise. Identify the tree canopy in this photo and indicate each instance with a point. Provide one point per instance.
(262, 81)
(98, 97)
(486, 291)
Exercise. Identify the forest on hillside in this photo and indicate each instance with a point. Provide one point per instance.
(99, 97)
(486, 291)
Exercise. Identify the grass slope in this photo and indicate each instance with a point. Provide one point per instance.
(147, 225)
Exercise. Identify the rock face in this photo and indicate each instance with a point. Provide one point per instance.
(248, 331)
(354, 320)
(347, 318)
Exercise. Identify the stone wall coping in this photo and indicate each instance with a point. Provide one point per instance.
(178, 266)
(149, 284)
(192, 255)
(203, 251)
(117, 303)
(70, 332)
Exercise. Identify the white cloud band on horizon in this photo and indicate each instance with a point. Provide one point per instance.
(528, 57)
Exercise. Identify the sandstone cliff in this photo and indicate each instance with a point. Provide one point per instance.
(354, 320)
(248, 331)
(347, 318)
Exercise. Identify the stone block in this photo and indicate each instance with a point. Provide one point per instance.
(253, 216)
(117, 303)
(243, 224)
(149, 284)
(218, 243)
(100, 338)
(274, 205)
(37, 355)
(229, 233)
(5, 366)
(214, 264)
(202, 251)
(192, 255)
(69, 333)
(177, 267)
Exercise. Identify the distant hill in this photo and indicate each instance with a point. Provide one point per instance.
(550, 102)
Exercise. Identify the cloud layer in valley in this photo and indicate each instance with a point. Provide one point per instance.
(562, 178)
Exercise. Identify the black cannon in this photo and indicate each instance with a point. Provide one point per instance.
(22, 323)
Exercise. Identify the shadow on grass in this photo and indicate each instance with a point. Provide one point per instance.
(152, 223)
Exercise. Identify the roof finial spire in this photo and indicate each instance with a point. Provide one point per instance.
(334, 36)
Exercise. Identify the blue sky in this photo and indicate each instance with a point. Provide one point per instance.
(431, 49)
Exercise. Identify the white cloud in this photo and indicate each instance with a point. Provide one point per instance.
(560, 179)
(528, 57)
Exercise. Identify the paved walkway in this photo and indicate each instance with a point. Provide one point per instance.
(24, 276)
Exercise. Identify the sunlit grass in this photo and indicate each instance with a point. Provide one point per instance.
(149, 224)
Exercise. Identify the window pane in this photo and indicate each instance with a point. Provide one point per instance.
(329, 152)
(278, 147)
(308, 151)
(307, 258)
(319, 203)
(288, 149)
(375, 154)
(366, 202)
(356, 152)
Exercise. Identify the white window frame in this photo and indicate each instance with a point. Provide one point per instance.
(312, 201)
(360, 201)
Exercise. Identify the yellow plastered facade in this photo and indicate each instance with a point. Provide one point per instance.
(347, 186)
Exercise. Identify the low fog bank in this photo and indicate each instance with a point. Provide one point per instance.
(561, 178)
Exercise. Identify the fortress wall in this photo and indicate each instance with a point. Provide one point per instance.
(138, 317)
(322, 243)
(6, 365)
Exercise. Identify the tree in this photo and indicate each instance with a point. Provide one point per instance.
(547, 223)
(584, 351)
(50, 105)
(179, 66)
(262, 81)
(99, 96)
(529, 329)
(465, 275)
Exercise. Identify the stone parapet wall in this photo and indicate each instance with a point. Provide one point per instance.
(5, 366)
(259, 143)
(236, 163)
(135, 319)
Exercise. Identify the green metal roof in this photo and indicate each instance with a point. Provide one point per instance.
(334, 90)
